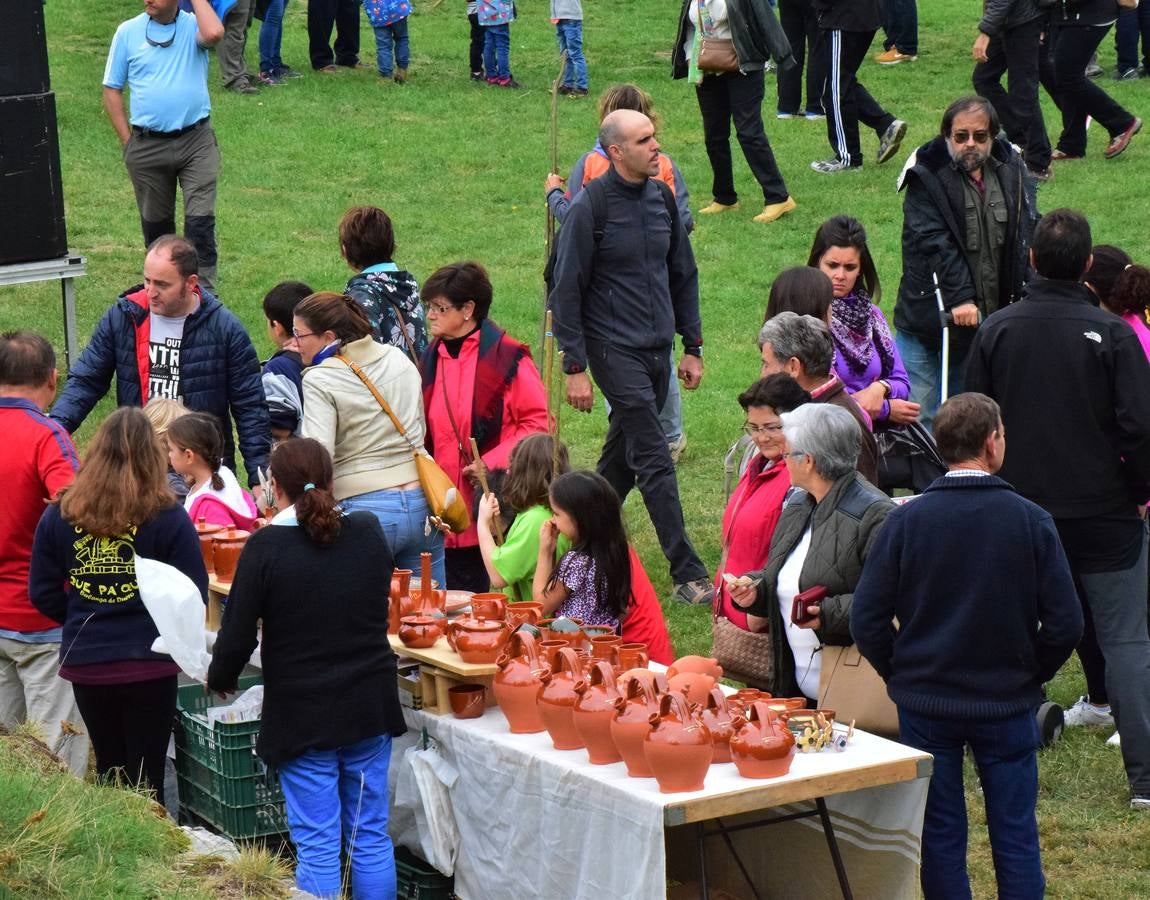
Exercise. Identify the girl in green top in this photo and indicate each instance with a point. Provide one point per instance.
(511, 566)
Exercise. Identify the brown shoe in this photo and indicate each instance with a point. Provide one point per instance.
(1120, 142)
(331, 68)
(1058, 156)
(773, 211)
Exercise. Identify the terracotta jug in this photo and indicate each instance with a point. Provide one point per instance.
(419, 632)
(717, 716)
(704, 665)
(632, 721)
(478, 640)
(205, 530)
(594, 711)
(557, 700)
(528, 612)
(227, 544)
(606, 646)
(762, 746)
(518, 682)
(633, 656)
(696, 685)
(678, 747)
(489, 606)
(550, 652)
(400, 584)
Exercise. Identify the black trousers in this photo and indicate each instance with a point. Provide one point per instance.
(476, 47)
(1063, 74)
(802, 29)
(845, 100)
(635, 452)
(1016, 52)
(733, 97)
(321, 16)
(464, 569)
(129, 725)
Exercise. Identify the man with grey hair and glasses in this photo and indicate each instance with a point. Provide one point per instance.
(802, 347)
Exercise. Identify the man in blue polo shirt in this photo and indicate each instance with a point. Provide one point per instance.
(161, 56)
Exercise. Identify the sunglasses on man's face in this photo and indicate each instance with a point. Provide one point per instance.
(961, 137)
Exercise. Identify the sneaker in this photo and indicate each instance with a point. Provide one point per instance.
(329, 69)
(889, 142)
(288, 72)
(1040, 174)
(477, 76)
(715, 207)
(696, 593)
(1083, 712)
(1122, 141)
(271, 79)
(814, 114)
(676, 447)
(1093, 70)
(773, 211)
(1115, 740)
(1137, 802)
(400, 76)
(893, 57)
(564, 89)
(243, 86)
(492, 80)
(1127, 74)
(831, 166)
(578, 92)
(785, 115)
(509, 83)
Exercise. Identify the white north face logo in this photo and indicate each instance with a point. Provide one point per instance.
(1092, 336)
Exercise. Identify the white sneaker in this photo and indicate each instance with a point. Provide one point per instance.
(1085, 713)
(677, 447)
(1115, 740)
(1140, 802)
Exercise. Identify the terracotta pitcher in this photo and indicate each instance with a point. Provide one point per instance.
(632, 720)
(478, 640)
(227, 544)
(518, 682)
(704, 665)
(557, 700)
(426, 599)
(205, 530)
(678, 747)
(594, 711)
(762, 746)
(400, 585)
(489, 606)
(633, 656)
(606, 646)
(528, 612)
(717, 716)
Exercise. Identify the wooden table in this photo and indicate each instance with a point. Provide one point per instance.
(217, 596)
(439, 668)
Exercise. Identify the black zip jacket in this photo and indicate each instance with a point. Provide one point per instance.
(1085, 12)
(1002, 15)
(755, 32)
(849, 15)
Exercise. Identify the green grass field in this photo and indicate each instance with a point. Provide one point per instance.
(460, 168)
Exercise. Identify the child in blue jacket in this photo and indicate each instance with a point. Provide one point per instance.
(496, 16)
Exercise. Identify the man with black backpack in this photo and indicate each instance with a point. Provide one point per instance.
(625, 282)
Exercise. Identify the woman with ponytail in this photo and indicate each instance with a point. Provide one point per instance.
(374, 467)
(1123, 288)
(318, 579)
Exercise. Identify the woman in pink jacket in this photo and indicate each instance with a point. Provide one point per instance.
(478, 382)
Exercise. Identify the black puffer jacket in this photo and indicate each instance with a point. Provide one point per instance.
(849, 15)
(934, 236)
(755, 32)
(1001, 15)
(1085, 12)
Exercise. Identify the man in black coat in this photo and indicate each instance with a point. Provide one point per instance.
(968, 214)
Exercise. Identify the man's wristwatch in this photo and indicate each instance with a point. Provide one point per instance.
(693, 350)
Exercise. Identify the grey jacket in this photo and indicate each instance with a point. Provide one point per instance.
(1002, 15)
(755, 32)
(843, 529)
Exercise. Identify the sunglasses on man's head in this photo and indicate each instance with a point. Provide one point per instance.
(961, 137)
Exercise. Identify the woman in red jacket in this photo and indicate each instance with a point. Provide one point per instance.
(478, 382)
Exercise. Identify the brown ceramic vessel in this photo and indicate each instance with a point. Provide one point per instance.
(695, 685)
(489, 606)
(717, 716)
(594, 711)
(678, 747)
(633, 656)
(529, 612)
(762, 745)
(632, 720)
(606, 646)
(400, 584)
(557, 700)
(206, 530)
(518, 682)
(419, 632)
(478, 640)
(425, 599)
(227, 545)
(467, 700)
(704, 665)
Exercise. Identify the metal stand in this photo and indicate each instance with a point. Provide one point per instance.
(820, 810)
(63, 270)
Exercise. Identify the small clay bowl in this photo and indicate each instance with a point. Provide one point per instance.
(798, 719)
(467, 700)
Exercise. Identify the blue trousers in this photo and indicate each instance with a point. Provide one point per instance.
(497, 51)
(569, 33)
(338, 798)
(391, 39)
(1006, 753)
(271, 37)
(900, 23)
(402, 515)
(924, 368)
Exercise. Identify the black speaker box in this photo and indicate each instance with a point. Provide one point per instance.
(31, 196)
(24, 57)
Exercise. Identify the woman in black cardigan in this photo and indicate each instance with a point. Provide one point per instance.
(318, 580)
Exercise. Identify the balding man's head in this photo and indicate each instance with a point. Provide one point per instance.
(628, 139)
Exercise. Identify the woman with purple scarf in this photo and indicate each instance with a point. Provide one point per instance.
(866, 358)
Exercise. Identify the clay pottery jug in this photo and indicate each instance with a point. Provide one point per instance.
(489, 606)
(549, 650)
(205, 530)
(633, 656)
(762, 746)
(557, 700)
(704, 665)
(419, 632)
(227, 544)
(518, 682)
(400, 584)
(594, 631)
(426, 598)
(528, 612)
(678, 747)
(717, 716)
(594, 711)
(479, 640)
(632, 720)
(606, 646)
(696, 685)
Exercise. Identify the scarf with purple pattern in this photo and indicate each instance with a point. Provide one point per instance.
(860, 330)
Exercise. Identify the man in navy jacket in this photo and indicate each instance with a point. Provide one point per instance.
(171, 337)
(981, 590)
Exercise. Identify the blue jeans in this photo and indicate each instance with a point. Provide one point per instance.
(402, 515)
(1006, 754)
(570, 35)
(900, 23)
(271, 37)
(388, 39)
(497, 50)
(1132, 24)
(331, 794)
(924, 368)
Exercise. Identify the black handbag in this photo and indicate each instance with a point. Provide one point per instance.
(907, 458)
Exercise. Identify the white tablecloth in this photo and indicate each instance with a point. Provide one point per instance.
(540, 822)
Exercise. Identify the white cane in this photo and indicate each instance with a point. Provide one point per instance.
(945, 319)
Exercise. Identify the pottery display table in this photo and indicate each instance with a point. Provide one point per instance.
(540, 822)
(217, 596)
(439, 668)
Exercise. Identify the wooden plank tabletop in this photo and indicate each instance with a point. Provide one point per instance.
(223, 588)
(443, 657)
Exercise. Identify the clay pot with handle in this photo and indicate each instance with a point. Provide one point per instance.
(478, 640)
(557, 700)
(529, 612)
(205, 531)
(227, 545)
(632, 719)
(678, 747)
(762, 745)
(703, 665)
(633, 656)
(489, 606)
(717, 717)
(518, 683)
(400, 584)
(419, 632)
(594, 711)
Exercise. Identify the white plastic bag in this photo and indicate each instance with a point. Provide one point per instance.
(177, 607)
(422, 789)
(247, 707)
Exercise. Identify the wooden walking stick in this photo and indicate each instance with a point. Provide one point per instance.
(549, 234)
(555, 432)
(481, 474)
(548, 363)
